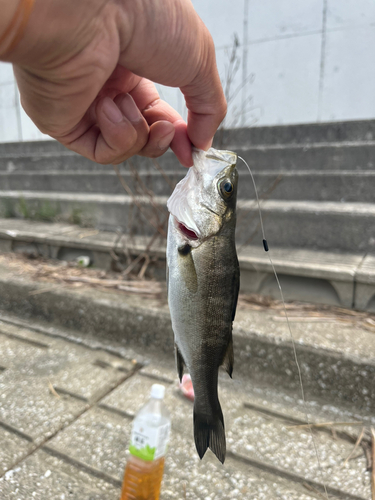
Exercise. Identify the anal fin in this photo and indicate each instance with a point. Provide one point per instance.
(228, 360)
(180, 363)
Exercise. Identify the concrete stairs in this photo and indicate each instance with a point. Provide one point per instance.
(317, 184)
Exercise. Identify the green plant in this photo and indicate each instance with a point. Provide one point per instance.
(24, 208)
(46, 212)
(76, 217)
(6, 208)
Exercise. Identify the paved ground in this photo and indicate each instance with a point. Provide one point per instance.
(65, 417)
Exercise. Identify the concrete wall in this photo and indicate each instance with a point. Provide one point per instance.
(297, 62)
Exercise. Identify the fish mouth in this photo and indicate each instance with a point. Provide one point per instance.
(188, 233)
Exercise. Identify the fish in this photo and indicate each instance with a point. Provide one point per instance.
(203, 281)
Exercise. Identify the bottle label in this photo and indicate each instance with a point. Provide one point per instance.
(148, 443)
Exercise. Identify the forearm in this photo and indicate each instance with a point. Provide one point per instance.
(53, 30)
(8, 9)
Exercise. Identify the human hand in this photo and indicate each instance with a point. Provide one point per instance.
(85, 71)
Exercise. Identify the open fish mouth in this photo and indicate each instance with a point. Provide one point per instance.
(185, 231)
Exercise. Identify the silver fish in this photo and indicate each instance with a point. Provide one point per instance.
(203, 283)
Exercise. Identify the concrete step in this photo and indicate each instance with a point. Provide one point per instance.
(105, 181)
(341, 279)
(343, 186)
(347, 227)
(350, 131)
(65, 160)
(132, 214)
(31, 147)
(352, 156)
(297, 224)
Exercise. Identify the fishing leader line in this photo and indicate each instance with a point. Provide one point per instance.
(266, 249)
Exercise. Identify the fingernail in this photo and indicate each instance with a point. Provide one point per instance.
(166, 140)
(129, 109)
(111, 111)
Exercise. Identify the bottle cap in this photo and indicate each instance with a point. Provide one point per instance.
(157, 391)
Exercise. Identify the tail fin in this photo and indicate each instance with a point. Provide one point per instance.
(209, 433)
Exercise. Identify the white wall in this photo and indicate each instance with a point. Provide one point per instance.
(301, 61)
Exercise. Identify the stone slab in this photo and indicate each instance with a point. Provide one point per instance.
(41, 476)
(365, 297)
(28, 405)
(80, 372)
(100, 439)
(13, 448)
(366, 271)
(259, 437)
(33, 365)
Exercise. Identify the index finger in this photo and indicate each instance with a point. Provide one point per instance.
(205, 98)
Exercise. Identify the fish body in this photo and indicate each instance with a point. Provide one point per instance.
(203, 283)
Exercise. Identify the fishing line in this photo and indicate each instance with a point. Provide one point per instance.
(266, 248)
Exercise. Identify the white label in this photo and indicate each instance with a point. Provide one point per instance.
(149, 443)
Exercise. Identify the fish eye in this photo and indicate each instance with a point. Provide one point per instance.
(226, 188)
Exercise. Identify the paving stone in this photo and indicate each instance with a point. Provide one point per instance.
(270, 440)
(28, 405)
(51, 356)
(26, 399)
(42, 477)
(135, 392)
(187, 476)
(257, 436)
(12, 449)
(100, 440)
(292, 450)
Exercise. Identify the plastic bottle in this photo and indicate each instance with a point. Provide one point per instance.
(148, 444)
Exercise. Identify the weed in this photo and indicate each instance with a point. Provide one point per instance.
(24, 209)
(6, 208)
(76, 217)
(46, 212)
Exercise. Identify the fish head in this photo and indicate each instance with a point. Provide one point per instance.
(204, 201)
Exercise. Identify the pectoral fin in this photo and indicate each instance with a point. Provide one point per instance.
(228, 360)
(180, 363)
(187, 268)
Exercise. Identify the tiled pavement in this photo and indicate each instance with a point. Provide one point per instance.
(65, 419)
